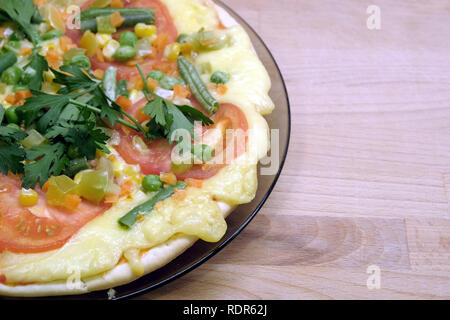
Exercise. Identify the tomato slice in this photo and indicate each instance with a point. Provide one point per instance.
(157, 158)
(164, 25)
(39, 228)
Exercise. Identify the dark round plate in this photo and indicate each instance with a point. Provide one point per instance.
(201, 251)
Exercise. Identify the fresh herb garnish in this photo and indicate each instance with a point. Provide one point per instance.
(167, 117)
(21, 12)
(71, 119)
(11, 152)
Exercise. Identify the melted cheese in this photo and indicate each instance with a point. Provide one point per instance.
(100, 244)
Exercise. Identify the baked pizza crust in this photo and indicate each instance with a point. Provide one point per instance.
(152, 259)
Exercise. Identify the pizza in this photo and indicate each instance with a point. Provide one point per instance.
(129, 129)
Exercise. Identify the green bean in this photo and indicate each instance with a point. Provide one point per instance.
(131, 217)
(7, 60)
(122, 88)
(198, 87)
(109, 82)
(132, 17)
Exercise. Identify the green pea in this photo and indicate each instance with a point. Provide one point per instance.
(124, 53)
(81, 61)
(28, 74)
(168, 82)
(55, 33)
(11, 115)
(220, 77)
(74, 152)
(156, 74)
(12, 75)
(128, 38)
(151, 183)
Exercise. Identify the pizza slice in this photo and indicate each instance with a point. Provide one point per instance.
(129, 130)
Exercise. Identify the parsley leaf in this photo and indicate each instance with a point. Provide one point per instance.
(11, 157)
(11, 154)
(21, 12)
(72, 78)
(31, 109)
(39, 64)
(169, 117)
(45, 161)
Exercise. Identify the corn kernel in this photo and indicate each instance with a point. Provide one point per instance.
(102, 39)
(172, 51)
(28, 197)
(110, 47)
(144, 30)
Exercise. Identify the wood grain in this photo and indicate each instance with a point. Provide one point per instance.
(367, 179)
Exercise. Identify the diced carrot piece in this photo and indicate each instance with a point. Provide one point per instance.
(131, 63)
(116, 4)
(141, 116)
(71, 201)
(98, 73)
(196, 183)
(152, 84)
(169, 178)
(2, 278)
(21, 96)
(10, 98)
(124, 102)
(66, 43)
(222, 89)
(180, 195)
(126, 187)
(161, 41)
(45, 186)
(117, 19)
(100, 56)
(137, 83)
(168, 67)
(26, 51)
(53, 58)
(111, 198)
(158, 205)
(181, 91)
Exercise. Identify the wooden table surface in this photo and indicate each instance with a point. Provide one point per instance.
(367, 179)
